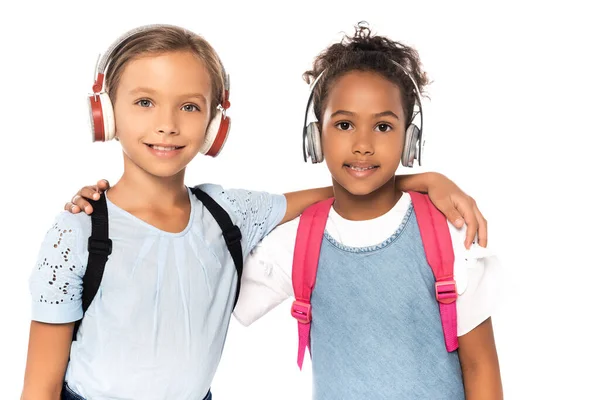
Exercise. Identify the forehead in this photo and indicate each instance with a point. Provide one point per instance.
(167, 73)
(364, 89)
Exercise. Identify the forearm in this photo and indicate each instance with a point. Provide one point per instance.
(298, 201)
(479, 363)
(482, 382)
(418, 182)
(47, 359)
(35, 391)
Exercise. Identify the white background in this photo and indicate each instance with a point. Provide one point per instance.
(511, 120)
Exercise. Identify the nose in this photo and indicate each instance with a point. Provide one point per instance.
(363, 143)
(166, 123)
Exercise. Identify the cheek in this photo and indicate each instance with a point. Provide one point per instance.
(129, 122)
(194, 129)
(391, 149)
(195, 123)
(334, 145)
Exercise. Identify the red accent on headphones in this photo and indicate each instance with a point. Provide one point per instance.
(98, 84)
(97, 118)
(99, 130)
(225, 103)
(221, 137)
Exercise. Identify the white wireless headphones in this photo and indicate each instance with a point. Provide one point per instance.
(101, 111)
(413, 141)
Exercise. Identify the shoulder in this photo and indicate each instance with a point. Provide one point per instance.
(277, 248)
(235, 199)
(480, 281)
(231, 195)
(468, 263)
(256, 212)
(67, 238)
(72, 229)
(282, 238)
(267, 276)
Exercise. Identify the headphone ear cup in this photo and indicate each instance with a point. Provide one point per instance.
(102, 118)
(216, 135)
(314, 143)
(409, 153)
(109, 117)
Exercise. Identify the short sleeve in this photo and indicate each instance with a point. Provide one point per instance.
(267, 276)
(257, 212)
(480, 281)
(482, 295)
(56, 280)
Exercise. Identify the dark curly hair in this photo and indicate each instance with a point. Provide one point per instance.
(365, 52)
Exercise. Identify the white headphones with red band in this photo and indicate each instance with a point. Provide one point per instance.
(101, 110)
(413, 140)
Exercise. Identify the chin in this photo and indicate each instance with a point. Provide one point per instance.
(162, 171)
(161, 168)
(360, 189)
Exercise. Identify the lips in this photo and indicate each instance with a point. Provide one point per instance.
(361, 169)
(164, 151)
(355, 168)
(164, 147)
(361, 166)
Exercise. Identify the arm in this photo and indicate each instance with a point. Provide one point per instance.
(56, 305)
(479, 363)
(47, 358)
(440, 189)
(457, 206)
(267, 275)
(298, 201)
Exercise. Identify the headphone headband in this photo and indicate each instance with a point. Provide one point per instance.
(104, 60)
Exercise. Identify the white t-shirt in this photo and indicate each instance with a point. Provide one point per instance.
(267, 277)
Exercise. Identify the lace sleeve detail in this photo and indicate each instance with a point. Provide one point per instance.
(257, 213)
(56, 281)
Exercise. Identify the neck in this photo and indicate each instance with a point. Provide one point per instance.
(139, 189)
(364, 207)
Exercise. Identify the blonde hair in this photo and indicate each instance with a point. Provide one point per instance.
(164, 39)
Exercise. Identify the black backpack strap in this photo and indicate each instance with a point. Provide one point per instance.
(231, 233)
(99, 248)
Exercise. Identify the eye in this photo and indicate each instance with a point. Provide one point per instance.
(144, 103)
(383, 127)
(190, 108)
(344, 125)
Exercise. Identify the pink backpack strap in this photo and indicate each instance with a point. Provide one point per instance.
(304, 269)
(440, 256)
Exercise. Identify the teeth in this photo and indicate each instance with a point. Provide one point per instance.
(360, 169)
(161, 148)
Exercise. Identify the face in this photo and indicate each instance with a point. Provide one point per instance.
(162, 111)
(363, 128)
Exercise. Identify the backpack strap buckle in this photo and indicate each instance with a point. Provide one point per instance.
(101, 247)
(302, 312)
(232, 235)
(446, 292)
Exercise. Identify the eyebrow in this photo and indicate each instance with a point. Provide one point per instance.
(138, 90)
(387, 113)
